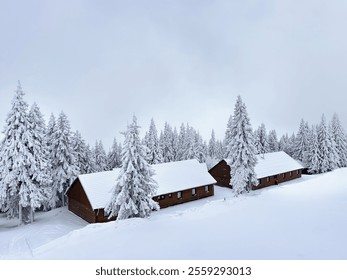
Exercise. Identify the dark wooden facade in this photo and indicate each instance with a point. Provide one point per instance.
(174, 198)
(277, 179)
(79, 204)
(221, 173)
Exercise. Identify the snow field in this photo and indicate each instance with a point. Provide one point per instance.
(302, 219)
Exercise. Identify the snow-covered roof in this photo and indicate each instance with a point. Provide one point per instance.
(275, 163)
(171, 177)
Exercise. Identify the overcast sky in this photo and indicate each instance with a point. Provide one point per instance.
(176, 61)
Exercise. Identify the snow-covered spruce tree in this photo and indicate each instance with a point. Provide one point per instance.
(273, 142)
(21, 164)
(41, 153)
(181, 143)
(166, 141)
(100, 157)
(327, 150)
(300, 146)
(154, 155)
(212, 146)
(90, 166)
(261, 140)
(340, 140)
(114, 156)
(311, 157)
(242, 159)
(200, 148)
(80, 149)
(134, 188)
(227, 137)
(64, 166)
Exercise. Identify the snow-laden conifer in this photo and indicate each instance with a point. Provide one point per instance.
(154, 155)
(300, 146)
(327, 150)
(242, 159)
(212, 146)
(166, 144)
(64, 166)
(80, 149)
(228, 138)
(21, 163)
(340, 140)
(261, 140)
(312, 158)
(273, 142)
(100, 157)
(134, 188)
(114, 155)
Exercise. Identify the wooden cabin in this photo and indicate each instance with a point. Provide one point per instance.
(271, 169)
(178, 182)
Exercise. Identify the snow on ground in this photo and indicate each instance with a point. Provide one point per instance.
(302, 219)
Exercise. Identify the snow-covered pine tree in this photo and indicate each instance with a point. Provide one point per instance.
(300, 146)
(100, 157)
(166, 141)
(21, 164)
(212, 145)
(132, 194)
(80, 149)
(327, 150)
(273, 142)
(64, 166)
(90, 166)
(199, 148)
(181, 143)
(261, 140)
(154, 155)
(242, 159)
(190, 151)
(175, 144)
(114, 156)
(340, 140)
(40, 150)
(311, 158)
(227, 137)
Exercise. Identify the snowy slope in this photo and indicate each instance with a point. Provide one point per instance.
(302, 219)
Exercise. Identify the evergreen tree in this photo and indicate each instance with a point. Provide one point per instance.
(241, 149)
(21, 163)
(100, 157)
(228, 137)
(212, 146)
(181, 143)
(114, 156)
(312, 159)
(166, 141)
(135, 186)
(261, 140)
(64, 166)
(273, 142)
(80, 150)
(340, 140)
(327, 150)
(300, 146)
(154, 155)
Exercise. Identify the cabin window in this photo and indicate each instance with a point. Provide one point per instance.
(170, 195)
(259, 181)
(284, 175)
(290, 174)
(297, 172)
(179, 195)
(268, 179)
(162, 197)
(194, 192)
(207, 189)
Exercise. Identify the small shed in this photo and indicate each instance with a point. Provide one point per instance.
(271, 169)
(178, 182)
